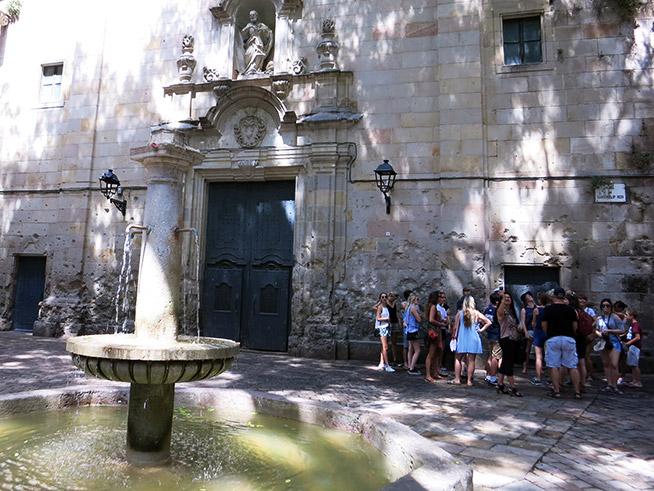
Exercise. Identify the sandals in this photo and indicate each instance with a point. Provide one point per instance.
(514, 392)
(578, 395)
(501, 389)
(555, 395)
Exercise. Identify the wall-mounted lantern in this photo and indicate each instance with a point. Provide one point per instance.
(385, 179)
(110, 186)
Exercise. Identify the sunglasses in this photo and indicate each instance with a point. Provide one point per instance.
(605, 305)
(384, 296)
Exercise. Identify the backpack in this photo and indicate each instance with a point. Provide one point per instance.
(585, 324)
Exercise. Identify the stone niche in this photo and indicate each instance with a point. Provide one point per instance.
(257, 36)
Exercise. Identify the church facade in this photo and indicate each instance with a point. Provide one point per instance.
(521, 136)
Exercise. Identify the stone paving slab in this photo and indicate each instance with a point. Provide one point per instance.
(532, 443)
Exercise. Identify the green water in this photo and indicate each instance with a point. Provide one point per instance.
(84, 448)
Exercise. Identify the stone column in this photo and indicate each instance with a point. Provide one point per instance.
(158, 305)
(150, 423)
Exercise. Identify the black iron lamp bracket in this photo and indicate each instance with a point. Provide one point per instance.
(110, 186)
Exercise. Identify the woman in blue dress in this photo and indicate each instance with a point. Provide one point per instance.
(466, 332)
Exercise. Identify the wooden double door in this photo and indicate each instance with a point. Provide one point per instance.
(248, 263)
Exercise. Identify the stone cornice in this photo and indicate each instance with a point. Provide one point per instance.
(181, 157)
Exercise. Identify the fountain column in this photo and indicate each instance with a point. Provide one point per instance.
(155, 358)
(158, 302)
(158, 297)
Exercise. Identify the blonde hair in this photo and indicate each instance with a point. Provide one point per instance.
(468, 309)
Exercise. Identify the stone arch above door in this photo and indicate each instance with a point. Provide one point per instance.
(250, 117)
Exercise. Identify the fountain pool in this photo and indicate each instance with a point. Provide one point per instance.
(402, 458)
(81, 448)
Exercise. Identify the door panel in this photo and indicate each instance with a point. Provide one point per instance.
(227, 221)
(269, 313)
(250, 229)
(221, 303)
(272, 222)
(30, 283)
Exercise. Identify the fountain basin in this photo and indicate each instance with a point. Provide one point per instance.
(126, 358)
(413, 462)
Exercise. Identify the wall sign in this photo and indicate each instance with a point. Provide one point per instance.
(615, 193)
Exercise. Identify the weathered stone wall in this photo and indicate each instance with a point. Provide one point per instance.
(495, 164)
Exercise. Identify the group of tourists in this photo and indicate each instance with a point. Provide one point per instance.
(560, 327)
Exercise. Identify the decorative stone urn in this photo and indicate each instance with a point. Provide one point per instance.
(328, 48)
(186, 63)
(155, 358)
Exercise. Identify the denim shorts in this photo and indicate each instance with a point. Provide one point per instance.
(561, 351)
(615, 341)
(633, 356)
(539, 338)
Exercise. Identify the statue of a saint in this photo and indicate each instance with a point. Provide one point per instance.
(257, 42)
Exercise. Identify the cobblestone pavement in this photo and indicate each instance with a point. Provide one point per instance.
(535, 442)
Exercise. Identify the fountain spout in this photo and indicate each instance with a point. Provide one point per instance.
(139, 228)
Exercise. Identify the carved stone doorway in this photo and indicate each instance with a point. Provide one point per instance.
(249, 262)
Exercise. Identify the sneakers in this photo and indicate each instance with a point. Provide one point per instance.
(413, 372)
(381, 366)
(389, 369)
(608, 388)
(536, 382)
(490, 380)
(616, 391)
(622, 381)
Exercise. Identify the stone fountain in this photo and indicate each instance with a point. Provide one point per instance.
(154, 358)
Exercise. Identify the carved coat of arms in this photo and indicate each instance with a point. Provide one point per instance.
(250, 131)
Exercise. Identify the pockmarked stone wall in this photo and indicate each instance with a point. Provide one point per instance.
(498, 165)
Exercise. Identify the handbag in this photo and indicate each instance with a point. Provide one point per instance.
(452, 345)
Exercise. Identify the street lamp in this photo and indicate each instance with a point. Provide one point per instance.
(110, 185)
(385, 179)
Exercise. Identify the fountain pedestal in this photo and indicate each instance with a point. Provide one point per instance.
(150, 423)
(154, 358)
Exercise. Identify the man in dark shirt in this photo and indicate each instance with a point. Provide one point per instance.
(493, 334)
(560, 325)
